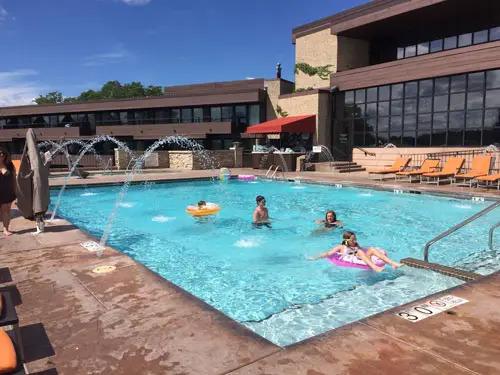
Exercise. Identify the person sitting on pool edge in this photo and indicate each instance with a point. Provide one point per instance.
(261, 213)
(330, 220)
(350, 248)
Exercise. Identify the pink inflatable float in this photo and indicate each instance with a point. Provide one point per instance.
(338, 260)
(246, 177)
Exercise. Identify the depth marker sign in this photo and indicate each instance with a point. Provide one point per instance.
(430, 308)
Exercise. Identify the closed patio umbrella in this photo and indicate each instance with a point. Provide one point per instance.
(33, 195)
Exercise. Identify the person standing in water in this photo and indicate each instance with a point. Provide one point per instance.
(261, 213)
(330, 220)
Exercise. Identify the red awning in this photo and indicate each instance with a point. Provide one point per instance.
(292, 124)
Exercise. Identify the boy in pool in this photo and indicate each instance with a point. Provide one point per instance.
(350, 248)
(261, 214)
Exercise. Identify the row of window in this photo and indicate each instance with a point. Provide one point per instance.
(241, 114)
(454, 110)
(452, 42)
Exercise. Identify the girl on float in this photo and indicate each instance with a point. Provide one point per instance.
(350, 249)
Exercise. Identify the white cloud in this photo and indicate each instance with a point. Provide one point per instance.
(249, 78)
(4, 15)
(17, 88)
(118, 54)
(136, 2)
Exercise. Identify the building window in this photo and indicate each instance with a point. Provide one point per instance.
(187, 115)
(215, 114)
(227, 113)
(254, 114)
(197, 114)
(175, 115)
(459, 110)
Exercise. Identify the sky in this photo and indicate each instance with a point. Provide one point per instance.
(76, 45)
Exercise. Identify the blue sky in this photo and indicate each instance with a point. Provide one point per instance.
(74, 45)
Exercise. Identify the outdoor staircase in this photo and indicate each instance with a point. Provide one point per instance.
(338, 167)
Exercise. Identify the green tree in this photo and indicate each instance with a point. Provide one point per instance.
(110, 90)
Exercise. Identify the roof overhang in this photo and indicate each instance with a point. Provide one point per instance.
(292, 124)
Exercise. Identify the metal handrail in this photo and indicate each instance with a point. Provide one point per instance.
(458, 226)
(276, 170)
(367, 153)
(490, 242)
(269, 170)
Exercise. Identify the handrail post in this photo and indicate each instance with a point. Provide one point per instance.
(490, 241)
(458, 226)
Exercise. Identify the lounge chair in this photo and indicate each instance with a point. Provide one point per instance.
(490, 180)
(398, 166)
(11, 351)
(428, 166)
(17, 164)
(480, 167)
(450, 169)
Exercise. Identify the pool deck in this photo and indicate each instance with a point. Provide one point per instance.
(132, 321)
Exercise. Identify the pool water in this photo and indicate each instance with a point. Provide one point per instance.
(260, 277)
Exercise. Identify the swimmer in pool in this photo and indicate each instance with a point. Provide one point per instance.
(261, 213)
(202, 205)
(350, 248)
(330, 220)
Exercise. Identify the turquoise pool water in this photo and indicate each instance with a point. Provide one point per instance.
(260, 277)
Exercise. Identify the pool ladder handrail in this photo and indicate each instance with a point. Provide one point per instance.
(457, 227)
(492, 229)
(276, 168)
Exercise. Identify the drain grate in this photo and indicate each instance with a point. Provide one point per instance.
(445, 270)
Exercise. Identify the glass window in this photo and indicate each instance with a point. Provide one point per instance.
(215, 114)
(396, 123)
(457, 120)
(383, 124)
(493, 98)
(371, 109)
(474, 119)
(395, 137)
(384, 93)
(187, 115)
(475, 81)
(439, 120)
(423, 48)
(424, 121)
(450, 43)
(425, 87)
(240, 112)
(359, 110)
(53, 120)
(383, 108)
(371, 124)
(359, 125)
(480, 36)
(423, 137)
(410, 51)
(491, 136)
(360, 96)
(162, 115)
(227, 113)
(458, 83)
(493, 79)
(495, 34)
(198, 114)
(396, 107)
(401, 53)
(349, 97)
(410, 106)
(492, 119)
(359, 139)
(124, 118)
(397, 91)
(438, 138)
(465, 40)
(371, 94)
(440, 103)
(411, 89)
(254, 114)
(425, 105)
(370, 139)
(409, 138)
(410, 122)
(455, 137)
(441, 85)
(175, 115)
(437, 45)
(475, 100)
(382, 138)
(472, 138)
(457, 101)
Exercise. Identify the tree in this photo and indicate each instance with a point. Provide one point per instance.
(51, 98)
(110, 90)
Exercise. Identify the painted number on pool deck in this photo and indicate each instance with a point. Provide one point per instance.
(430, 308)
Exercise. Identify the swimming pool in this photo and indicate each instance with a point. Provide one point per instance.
(260, 277)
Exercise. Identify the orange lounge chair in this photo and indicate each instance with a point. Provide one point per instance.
(17, 164)
(450, 169)
(398, 166)
(480, 167)
(428, 166)
(489, 180)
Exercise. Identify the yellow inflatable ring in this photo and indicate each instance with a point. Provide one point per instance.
(209, 209)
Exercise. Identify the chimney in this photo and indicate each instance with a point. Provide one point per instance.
(278, 71)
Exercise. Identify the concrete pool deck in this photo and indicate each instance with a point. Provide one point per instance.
(132, 321)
